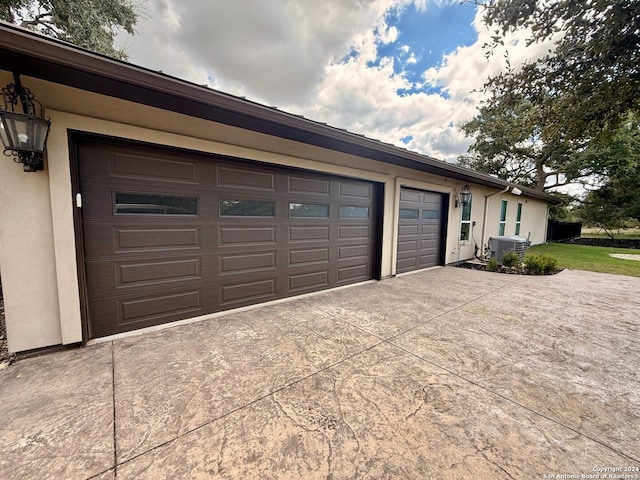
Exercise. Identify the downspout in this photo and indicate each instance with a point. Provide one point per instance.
(484, 218)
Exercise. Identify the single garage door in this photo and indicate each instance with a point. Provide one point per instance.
(169, 235)
(420, 229)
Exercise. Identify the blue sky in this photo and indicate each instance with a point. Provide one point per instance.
(429, 34)
(404, 72)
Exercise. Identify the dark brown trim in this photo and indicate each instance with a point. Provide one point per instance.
(444, 226)
(79, 237)
(55, 61)
(379, 223)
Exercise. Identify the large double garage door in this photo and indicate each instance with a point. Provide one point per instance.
(169, 235)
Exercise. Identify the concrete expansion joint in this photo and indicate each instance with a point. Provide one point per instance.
(220, 417)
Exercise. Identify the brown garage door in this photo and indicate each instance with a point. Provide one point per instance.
(170, 236)
(420, 224)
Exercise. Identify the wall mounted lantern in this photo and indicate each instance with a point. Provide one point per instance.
(24, 135)
(465, 195)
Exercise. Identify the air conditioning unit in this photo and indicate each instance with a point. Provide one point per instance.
(501, 245)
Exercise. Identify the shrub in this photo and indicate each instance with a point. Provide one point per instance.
(492, 265)
(533, 264)
(511, 259)
(550, 264)
(540, 264)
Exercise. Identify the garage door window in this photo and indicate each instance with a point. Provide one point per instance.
(246, 208)
(308, 210)
(430, 214)
(409, 213)
(354, 212)
(142, 204)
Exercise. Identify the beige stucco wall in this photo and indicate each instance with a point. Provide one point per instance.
(27, 261)
(37, 239)
(533, 220)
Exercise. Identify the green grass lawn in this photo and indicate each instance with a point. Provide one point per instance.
(593, 259)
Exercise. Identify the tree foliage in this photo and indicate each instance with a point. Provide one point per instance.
(617, 198)
(91, 24)
(516, 142)
(591, 78)
(542, 117)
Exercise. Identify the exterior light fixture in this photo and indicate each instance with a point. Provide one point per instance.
(24, 135)
(465, 195)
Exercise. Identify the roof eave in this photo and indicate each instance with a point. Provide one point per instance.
(40, 57)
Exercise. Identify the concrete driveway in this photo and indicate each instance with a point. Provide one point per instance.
(445, 373)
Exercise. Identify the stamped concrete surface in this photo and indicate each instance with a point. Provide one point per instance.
(445, 373)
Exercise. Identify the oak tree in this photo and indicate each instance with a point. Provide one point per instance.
(541, 117)
(91, 24)
(591, 75)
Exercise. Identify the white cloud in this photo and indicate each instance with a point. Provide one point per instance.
(273, 51)
(291, 54)
(467, 68)
(366, 100)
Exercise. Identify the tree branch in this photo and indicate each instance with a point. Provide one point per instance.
(38, 19)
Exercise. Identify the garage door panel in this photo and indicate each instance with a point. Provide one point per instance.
(408, 246)
(408, 230)
(349, 274)
(133, 166)
(430, 229)
(137, 239)
(231, 236)
(246, 179)
(309, 280)
(298, 184)
(151, 168)
(112, 275)
(350, 191)
(405, 264)
(158, 306)
(307, 233)
(169, 236)
(428, 241)
(354, 261)
(247, 292)
(233, 264)
(108, 240)
(428, 252)
(308, 256)
(111, 315)
(427, 257)
(410, 196)
(354, 251)
(353, 232)
(159, 271)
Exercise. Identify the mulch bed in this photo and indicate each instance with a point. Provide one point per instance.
(501, 269)
(4, 352)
